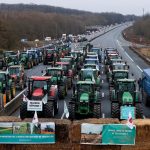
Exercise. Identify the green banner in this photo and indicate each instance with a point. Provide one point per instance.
(125, 110)
(118, 135)
(27, 133)
(107, 134)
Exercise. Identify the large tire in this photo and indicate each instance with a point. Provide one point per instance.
(61, 92)
(71, 111)
(115, 110)
(97, 110)
(69, 83)
(147, 103)
(8, 96)
(48, 110)
(139, 110)
(23, 110)
(56, 105)
(13, 90)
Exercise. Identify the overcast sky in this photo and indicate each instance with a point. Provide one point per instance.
(119, 6)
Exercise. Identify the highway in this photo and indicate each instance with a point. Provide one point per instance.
(110, 39)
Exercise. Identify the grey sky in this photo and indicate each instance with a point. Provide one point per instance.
(119, 6)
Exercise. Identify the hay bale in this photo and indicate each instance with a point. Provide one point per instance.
(9, 119)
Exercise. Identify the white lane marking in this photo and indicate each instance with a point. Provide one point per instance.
(63, 115)
(102, 72)
(124, 50)
(129, 56)
(144, 117)
(102, 81)
(103, 94)
(103, 115)
(139, 68)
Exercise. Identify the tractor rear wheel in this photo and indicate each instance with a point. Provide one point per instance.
(8, 96)
(69, 83)
(97, 111)
(115, 110)
(13, 90)
(62, 92)
(139, 110)
(49, 110)
(23, 110)
(71, 111)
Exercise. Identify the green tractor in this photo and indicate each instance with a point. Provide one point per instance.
(7, 87)
(85, 101)
(58, 79)
(123, 96)
(90, 75)
(26, 60)
(117, 74)
(40, 93)
(67, 71)
(116, 66)
(18, 75)
(12, 60)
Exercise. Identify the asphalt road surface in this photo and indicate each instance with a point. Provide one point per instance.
(110, 39)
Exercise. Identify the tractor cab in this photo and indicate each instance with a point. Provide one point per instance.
(120, 66)
(91, 61)
(56, 73)
(38, 86)
(90, 66)
(118, 74)
(12, 60)
(126, 91)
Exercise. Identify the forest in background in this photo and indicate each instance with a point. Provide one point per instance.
(142, 27)
(19, 21)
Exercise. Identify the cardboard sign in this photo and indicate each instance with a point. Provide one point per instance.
(125, 110)
(34, 106)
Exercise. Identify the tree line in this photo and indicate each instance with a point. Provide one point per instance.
(19, 21)
(142, 27)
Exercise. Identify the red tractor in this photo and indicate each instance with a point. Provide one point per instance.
(40, 90)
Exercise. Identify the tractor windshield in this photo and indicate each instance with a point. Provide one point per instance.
(91, 61)
(54, 72)
(85, 88)
(40, 84)
(120, 75)
(126, 86)
(13, 71)
(23, 55)
(118, 67)
(2, 76)
(90, 67)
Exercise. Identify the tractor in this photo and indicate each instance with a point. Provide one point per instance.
(98, 51)
(17, 74)
(58, 79)
(117, 74)
(125, 95)
(91, 75)
(39, 90)
(50, 56)
(116, 66)
(85, 101)
(67, 71)
(12, 60)
(7, 87)
(26, 60)
(3, 65)
(35, 57)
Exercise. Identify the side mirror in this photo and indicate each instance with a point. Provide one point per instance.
(42, 71)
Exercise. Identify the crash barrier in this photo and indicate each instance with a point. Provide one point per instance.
(93, 38)
(68, 135)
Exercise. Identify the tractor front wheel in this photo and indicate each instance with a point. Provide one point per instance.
(72, 111)
(139, 110)
(62, 92)
(115, 110)
(97, 111)
(49, 110)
